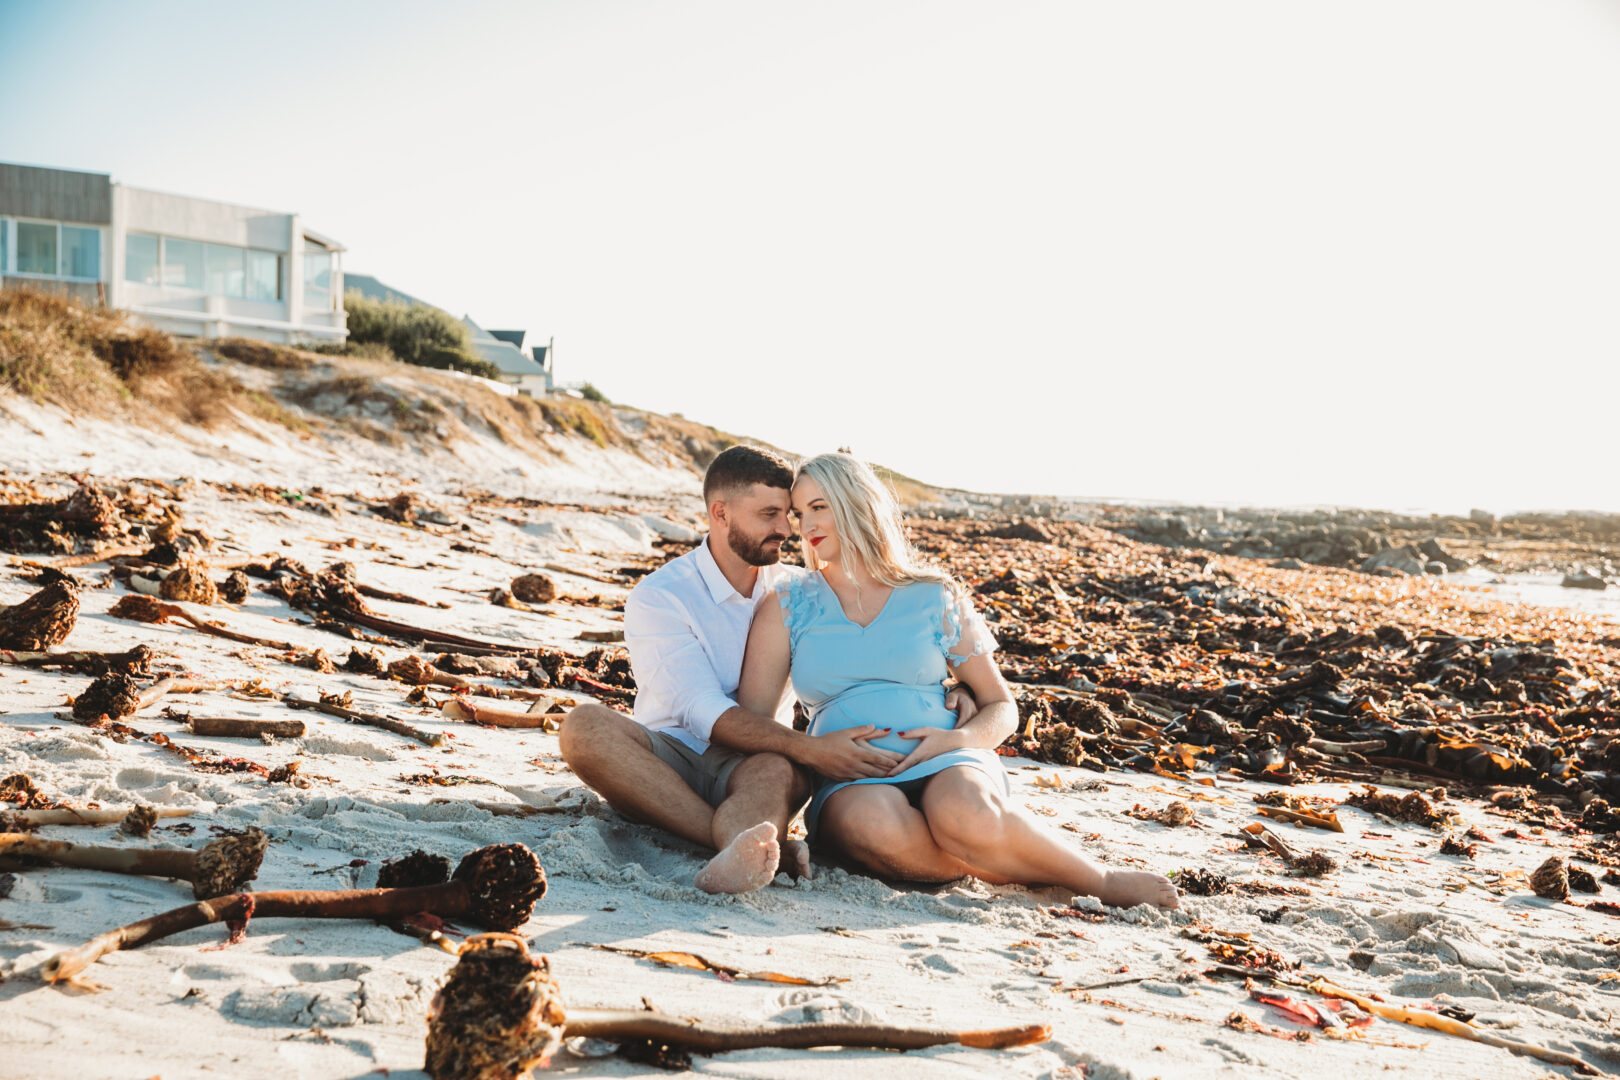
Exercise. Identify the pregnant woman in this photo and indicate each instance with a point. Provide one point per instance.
(868, 637)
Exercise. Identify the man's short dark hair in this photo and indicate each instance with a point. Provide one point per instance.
(739, 468)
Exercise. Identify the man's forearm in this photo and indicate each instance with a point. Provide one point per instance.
(740, 729)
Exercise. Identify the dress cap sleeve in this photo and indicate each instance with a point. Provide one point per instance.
(963, 633)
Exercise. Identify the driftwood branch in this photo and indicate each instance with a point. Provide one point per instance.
(139, 608)
(496, 886)
(88, 817)
(244, 727)
(463, 708)
(222, 866)
(398, 727)
(622, 1025)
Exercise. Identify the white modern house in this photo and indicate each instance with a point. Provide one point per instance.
(193, 267)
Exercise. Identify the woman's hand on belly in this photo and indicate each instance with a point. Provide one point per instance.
(931, 742)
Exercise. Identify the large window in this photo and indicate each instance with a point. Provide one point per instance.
(5, 235)
(141, 259)
(182, 264)
(36, 248)
(317, 277)
(226, 270)
(81, 252)
(263, 275)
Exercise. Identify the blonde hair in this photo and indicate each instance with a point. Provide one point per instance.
(870, 536)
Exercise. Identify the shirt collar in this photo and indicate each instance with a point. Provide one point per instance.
(720, 590)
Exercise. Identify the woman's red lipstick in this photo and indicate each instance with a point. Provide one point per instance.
(814, 540)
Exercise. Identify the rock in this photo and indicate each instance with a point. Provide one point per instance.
(1434, 567)
(1433, 552)
(1482, 517)
(1407, 559)
(1584, 578)
(1287, 564)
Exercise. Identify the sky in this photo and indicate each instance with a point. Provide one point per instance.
(1258, 251)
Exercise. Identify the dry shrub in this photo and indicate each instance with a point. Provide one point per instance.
(96, 362)
(261, 354)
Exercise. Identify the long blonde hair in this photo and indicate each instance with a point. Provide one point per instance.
(870, 536)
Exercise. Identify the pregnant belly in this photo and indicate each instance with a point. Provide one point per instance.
(885, 705)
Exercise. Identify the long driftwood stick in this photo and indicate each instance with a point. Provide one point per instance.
(89, 817)
(621, 1025)
(398, 727)
(222, 866)
(244, 727)
(135, 661)
(496, 886)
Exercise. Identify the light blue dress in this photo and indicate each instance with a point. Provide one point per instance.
(889, 673)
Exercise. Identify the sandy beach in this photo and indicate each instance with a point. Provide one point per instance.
(1131, 993)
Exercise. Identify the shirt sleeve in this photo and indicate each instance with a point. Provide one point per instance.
(667, 658)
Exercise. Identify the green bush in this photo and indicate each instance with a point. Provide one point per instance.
(424, 336)
(590, 393)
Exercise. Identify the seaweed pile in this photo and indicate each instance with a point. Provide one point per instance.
(1135, 656)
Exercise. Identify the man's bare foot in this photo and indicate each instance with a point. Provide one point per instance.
(796, 858)
(747, 863)
(1127, 888)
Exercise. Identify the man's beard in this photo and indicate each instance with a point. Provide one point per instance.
(754, 552)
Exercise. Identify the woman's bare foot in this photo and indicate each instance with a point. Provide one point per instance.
(1127, 888)
(747, 863)
(796, 858)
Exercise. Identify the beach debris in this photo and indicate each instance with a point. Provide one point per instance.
(417, 868)
(234, 727)
(365, 662)
(43, 620)
(1301, 817)
(138, 822)
(112, 696)
(462, 707)
(1311, 864)
(1416, 1017)
(1581, 880)
(496, 886)
(1453, 844)
(1201, 882)
(1326, 1016)
(222, 866)
(497, 1017)
(415, 671)
(189, 582)
(135, 661)
(1175, 814)
(725, 972)
(98, 816)
(398, 727)
(501, 1014)
(1314, 864)
(20, 790)
(1584, 578)
(1550, 880)
(534, 588)
(1414, 807)
(235, 588)
(139, 608)
(602, 636)
(116, 695)
(60, 525)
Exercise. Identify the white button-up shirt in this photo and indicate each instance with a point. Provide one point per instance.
(686, 629)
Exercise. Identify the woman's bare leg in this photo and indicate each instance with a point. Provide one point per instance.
(876, 825)
(971, 821)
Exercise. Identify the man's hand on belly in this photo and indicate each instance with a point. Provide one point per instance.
(846, 755)
(931, 742)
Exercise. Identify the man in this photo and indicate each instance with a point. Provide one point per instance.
(684, 762)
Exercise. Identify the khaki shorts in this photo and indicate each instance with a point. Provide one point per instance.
(707, 773)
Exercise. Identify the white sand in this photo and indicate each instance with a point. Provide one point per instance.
(344, 999)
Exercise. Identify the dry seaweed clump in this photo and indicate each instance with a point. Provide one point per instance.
(418, 868)
(1414, 807)
(364, 662)
(139, 821)
(534, 589)
(1550, 880)
(497, 1017)
(1199, 882)
(1581, 880)
(1458, 845)
(1315, 864)
(44, 619)
(114, 695)
(189, 582)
